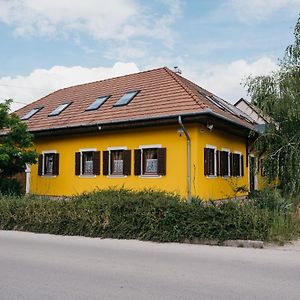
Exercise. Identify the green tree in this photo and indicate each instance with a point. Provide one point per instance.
(278, 95)
(15, 144)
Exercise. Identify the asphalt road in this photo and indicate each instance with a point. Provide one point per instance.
(34, 266)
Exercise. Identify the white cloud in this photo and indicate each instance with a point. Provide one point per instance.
(226, 80)
(262, 9)
(41, 82)
(102, 19)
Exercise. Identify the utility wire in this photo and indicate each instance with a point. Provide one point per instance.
(18, 102)
(24, 87)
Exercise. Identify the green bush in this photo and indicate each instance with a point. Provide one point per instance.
(145, 215)
(10, 186)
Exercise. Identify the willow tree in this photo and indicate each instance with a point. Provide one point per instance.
(278, 96)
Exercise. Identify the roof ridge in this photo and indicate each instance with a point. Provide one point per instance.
(111, 78)
(88, 83)
(185, 87)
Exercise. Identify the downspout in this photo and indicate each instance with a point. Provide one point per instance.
(188, 143)
(27, 174)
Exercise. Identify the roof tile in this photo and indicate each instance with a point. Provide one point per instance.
(162, 92)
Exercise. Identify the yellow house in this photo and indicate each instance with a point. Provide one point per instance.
(153, 129)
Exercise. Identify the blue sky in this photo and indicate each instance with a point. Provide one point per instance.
(46, 45)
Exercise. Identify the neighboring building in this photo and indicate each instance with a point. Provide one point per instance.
(154, 129)
(252, 111)
(258, 180)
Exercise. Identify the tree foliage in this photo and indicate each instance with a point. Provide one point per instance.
(278, 96)
(15, 143)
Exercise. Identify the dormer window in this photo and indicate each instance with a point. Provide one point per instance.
(126, 98)
(97, 103)
(59, 109)
(31, 113)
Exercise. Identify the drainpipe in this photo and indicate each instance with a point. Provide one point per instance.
(27, 173)
(188, 143)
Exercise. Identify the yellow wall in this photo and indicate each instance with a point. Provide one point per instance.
(220, 187)
(67, 183)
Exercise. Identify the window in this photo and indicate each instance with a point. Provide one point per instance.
(31, 113)
(117, 161)
(87, 162)
(261, 167)
(225, 162)
(59, 109)
(150, 161)
(97, 103)
(48, 164)
(126, 98)
(237, 164)
(210, 161)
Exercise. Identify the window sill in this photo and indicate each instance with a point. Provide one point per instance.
(49, 176)
(87, 176)
(211, 176)
(116, 176)
(150, 176)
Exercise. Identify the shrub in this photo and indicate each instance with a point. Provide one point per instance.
(144, 215)
(10, 186)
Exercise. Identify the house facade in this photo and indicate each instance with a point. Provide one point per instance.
(154, 129)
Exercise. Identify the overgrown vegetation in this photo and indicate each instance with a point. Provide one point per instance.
(149, 215)
(278, 96)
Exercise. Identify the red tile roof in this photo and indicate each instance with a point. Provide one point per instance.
(162, 93)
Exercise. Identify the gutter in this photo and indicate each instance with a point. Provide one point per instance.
(131, 122)
(188, 143)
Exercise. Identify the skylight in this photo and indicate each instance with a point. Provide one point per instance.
(97, 103)
(31, 113)
(216, 102)
(59, 109)
(126, 98)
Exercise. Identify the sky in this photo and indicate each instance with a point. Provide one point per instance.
(51, 44)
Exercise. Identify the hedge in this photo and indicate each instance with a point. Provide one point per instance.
(146, 215)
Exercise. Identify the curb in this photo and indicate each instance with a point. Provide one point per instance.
(227, 243)
(244, 244)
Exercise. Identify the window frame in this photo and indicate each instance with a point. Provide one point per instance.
(240, 164)
(105, 98)
(228, 162)
(67, 104)
(47, 152)
(110, 149)
(215, 175)
(87, 175)
(31, 113)
(136, 92)
(142, 148)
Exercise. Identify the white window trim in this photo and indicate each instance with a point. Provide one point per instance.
(81, 151)
(150, 146)
(150, 176)
(240, 170)
(142, 147)
(43, 163)
(215, 160)
(229, 167)
(109, 149)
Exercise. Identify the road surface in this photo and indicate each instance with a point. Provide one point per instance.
(35, 266)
